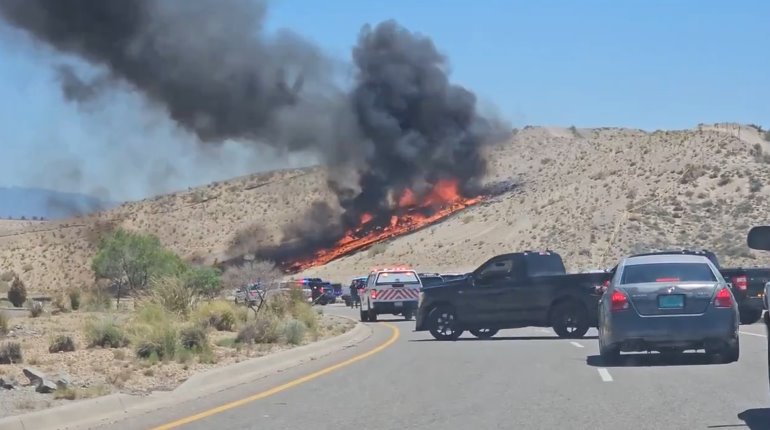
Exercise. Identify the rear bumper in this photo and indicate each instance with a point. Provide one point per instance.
(392, 308)
(713, 329)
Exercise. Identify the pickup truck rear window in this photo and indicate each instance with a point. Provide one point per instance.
(544, 265)
(667, 272)
(388, 278)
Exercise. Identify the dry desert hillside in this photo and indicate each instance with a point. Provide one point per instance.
(591, 194)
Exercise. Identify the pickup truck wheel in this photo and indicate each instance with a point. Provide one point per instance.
(408, 315)
(364, 316)
(372, 315)
(569, 320)
(484, 333)
(750, 316)
(442, 323)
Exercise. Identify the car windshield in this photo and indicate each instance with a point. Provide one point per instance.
(667, 272)
(387, 278)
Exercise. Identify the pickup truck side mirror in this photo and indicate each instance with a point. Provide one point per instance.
(759, 238)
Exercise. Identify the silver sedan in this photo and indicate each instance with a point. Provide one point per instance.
(668, 303)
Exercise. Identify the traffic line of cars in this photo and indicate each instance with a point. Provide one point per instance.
(669, 301)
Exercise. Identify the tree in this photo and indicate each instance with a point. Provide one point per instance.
(264, 272)
(205, 281)
(131, 259)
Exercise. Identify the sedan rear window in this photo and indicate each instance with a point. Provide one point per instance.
(667, 272)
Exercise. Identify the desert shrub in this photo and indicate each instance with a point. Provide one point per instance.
(205, 281)
(61, 344)
(194, 338)
(172, 294)
(17, 294)
(218, 314)
(97, 298)
(308, 316)
(10, 353)
(105, 333)
(154, 332)
(377, 249)
(265, 329)
(74, 296)
(61, 302)
(294, 331)
(7, 276)
(35, 309)
(3, 324)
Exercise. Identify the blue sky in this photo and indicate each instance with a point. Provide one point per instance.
(646, 64)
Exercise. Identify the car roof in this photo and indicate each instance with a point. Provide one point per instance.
(665, 258)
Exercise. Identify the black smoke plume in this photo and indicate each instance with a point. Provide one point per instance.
(209, 64)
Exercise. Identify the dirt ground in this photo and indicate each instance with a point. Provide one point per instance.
(96, 371)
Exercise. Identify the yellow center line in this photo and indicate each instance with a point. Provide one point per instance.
(227, 406)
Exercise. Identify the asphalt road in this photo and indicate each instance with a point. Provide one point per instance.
(523, 379)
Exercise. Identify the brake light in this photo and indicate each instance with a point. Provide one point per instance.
(667, 280)
(618, 301)
(741, 282)
(723, 299)
(373, 294)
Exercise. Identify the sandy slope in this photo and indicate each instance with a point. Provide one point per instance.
(702, 187)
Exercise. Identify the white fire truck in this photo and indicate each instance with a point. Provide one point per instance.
(393, 290)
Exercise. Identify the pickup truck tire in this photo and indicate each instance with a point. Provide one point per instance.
(408, 315)
(442, 323)
(372, 315)
(750, 316)
(569, 320)
(484, 333)
(364, 316)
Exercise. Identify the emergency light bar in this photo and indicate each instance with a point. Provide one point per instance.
(392, 269)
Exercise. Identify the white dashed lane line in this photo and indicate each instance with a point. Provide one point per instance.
(605, 375)
(575, 344)
(752, 334)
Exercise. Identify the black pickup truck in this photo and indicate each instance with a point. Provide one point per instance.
(748, 284)
(522, 289)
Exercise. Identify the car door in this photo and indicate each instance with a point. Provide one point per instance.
(488, 299)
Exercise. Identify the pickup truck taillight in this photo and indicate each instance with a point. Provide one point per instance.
(741, 282)
(373, 294)
(618, 301)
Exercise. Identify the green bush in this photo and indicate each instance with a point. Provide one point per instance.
(172, 294)
(218, 314)
(105, 333)
(17, 294)
(74, 296)
(194, 338)
(294, 331)
(265, 329)
(61, 344)
(154, 332)
(97, 299)
(10, 353)
(3, 324)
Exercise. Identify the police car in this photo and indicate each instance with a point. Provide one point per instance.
(392, 291)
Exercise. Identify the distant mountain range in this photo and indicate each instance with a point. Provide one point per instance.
(17, 202)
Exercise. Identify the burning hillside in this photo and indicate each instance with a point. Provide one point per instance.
(409, 215)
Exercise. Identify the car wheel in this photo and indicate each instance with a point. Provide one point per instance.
(750, 316)
(569, 320)
(408, 315)
(364, 316)
(484, 333)
(442, 323)
(372, 315)
(609, 354)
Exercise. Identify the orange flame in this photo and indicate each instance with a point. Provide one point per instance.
(443, 200)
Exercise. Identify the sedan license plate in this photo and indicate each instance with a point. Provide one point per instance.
(399, 304)
(671, 301)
